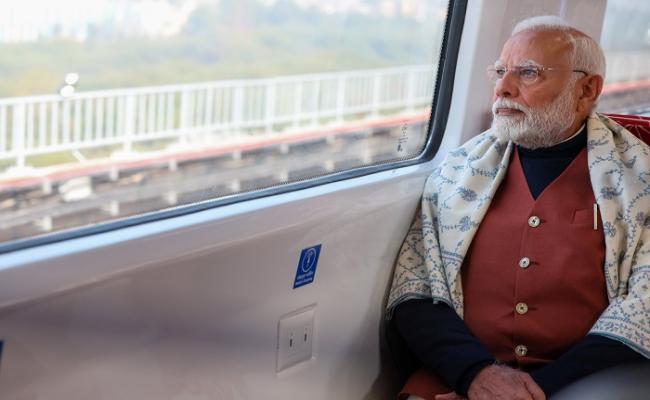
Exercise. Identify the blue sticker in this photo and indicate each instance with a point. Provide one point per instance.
(307, 266)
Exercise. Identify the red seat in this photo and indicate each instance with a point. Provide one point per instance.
(638, 125)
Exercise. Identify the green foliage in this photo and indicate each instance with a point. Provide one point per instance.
(46, 160)
(234, 40)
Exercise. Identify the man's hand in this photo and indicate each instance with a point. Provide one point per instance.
(498, 382)
(449, 396)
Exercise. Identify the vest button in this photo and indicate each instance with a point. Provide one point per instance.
(521, 350)
(534, 221)
(522, 308)
(524, 262)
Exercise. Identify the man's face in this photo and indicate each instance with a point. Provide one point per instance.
(542, 113)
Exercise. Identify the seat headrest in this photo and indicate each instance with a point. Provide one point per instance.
(638, 125)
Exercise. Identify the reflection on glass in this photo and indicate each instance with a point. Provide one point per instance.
(626, 41)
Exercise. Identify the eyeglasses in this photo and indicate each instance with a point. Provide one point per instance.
(527, 74)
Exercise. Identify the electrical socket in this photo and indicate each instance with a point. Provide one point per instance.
(295, 337)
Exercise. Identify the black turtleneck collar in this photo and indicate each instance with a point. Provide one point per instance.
(570, 148)
(542, 166)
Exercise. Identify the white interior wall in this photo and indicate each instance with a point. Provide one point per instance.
(203, 325)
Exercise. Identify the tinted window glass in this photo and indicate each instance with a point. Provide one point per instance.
(113, 108)
(626, 41)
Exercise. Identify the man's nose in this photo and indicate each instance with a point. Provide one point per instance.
(508, 86)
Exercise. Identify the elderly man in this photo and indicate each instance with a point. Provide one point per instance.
(527, 265)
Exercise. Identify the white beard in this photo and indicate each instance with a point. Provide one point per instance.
(539, 127)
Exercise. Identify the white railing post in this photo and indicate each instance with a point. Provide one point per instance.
(29, 133)
(54, 123)
(410, 90)
(77, 121)
(160, 106)
(316, 101)
(297, 103)
(88, 120)
(237, 107)
(196, 113)
(376, 95)
(4, 140)
(151, 113)
(110, 117)
(99, 120)
(46, 124)
(171, 112)
(269, 113)
(209, 111)
(129, 122)
(340, 97)
(65, 122)
(184, 116)
(42, 130)
(141, 118)
(18, 134)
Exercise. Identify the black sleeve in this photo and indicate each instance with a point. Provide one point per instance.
(591, 354)
(442, 342)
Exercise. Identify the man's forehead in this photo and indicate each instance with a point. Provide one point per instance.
(540, 47)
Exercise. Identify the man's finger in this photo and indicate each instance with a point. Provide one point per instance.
(533, 388)
(448, 396)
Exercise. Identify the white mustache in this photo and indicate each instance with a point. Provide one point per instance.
(504, 103)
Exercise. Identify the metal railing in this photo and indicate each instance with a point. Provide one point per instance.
(223, 110)
(38, 125)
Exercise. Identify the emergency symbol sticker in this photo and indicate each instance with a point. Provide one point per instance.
(306, 270)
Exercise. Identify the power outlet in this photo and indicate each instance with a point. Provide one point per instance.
(295, 338)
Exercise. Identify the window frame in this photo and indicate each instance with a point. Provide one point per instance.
(440, 106)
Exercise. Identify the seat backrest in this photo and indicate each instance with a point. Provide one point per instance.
(638, 125)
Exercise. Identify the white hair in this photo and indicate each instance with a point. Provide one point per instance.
(587, 55)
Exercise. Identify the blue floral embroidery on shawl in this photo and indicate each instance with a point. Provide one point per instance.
(458, 193)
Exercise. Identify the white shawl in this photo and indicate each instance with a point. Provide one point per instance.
(457, 196)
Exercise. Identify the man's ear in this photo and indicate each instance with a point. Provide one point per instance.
(590, 88)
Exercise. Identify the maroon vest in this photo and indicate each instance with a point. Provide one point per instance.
(533, 278)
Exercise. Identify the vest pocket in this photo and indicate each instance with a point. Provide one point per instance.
(583, 216)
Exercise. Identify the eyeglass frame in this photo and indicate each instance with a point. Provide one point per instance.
(539, 68)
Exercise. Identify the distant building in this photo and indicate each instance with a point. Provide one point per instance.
(82, 19)
(421, 10)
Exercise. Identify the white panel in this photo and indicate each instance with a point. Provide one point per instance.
(189, 307)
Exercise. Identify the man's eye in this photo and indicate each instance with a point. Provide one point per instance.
(528, 73)
(500, 72)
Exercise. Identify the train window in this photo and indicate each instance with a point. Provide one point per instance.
(112, 109)
(627, 84)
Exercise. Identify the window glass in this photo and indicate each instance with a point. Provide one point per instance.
(118, 108)
(626, 41)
